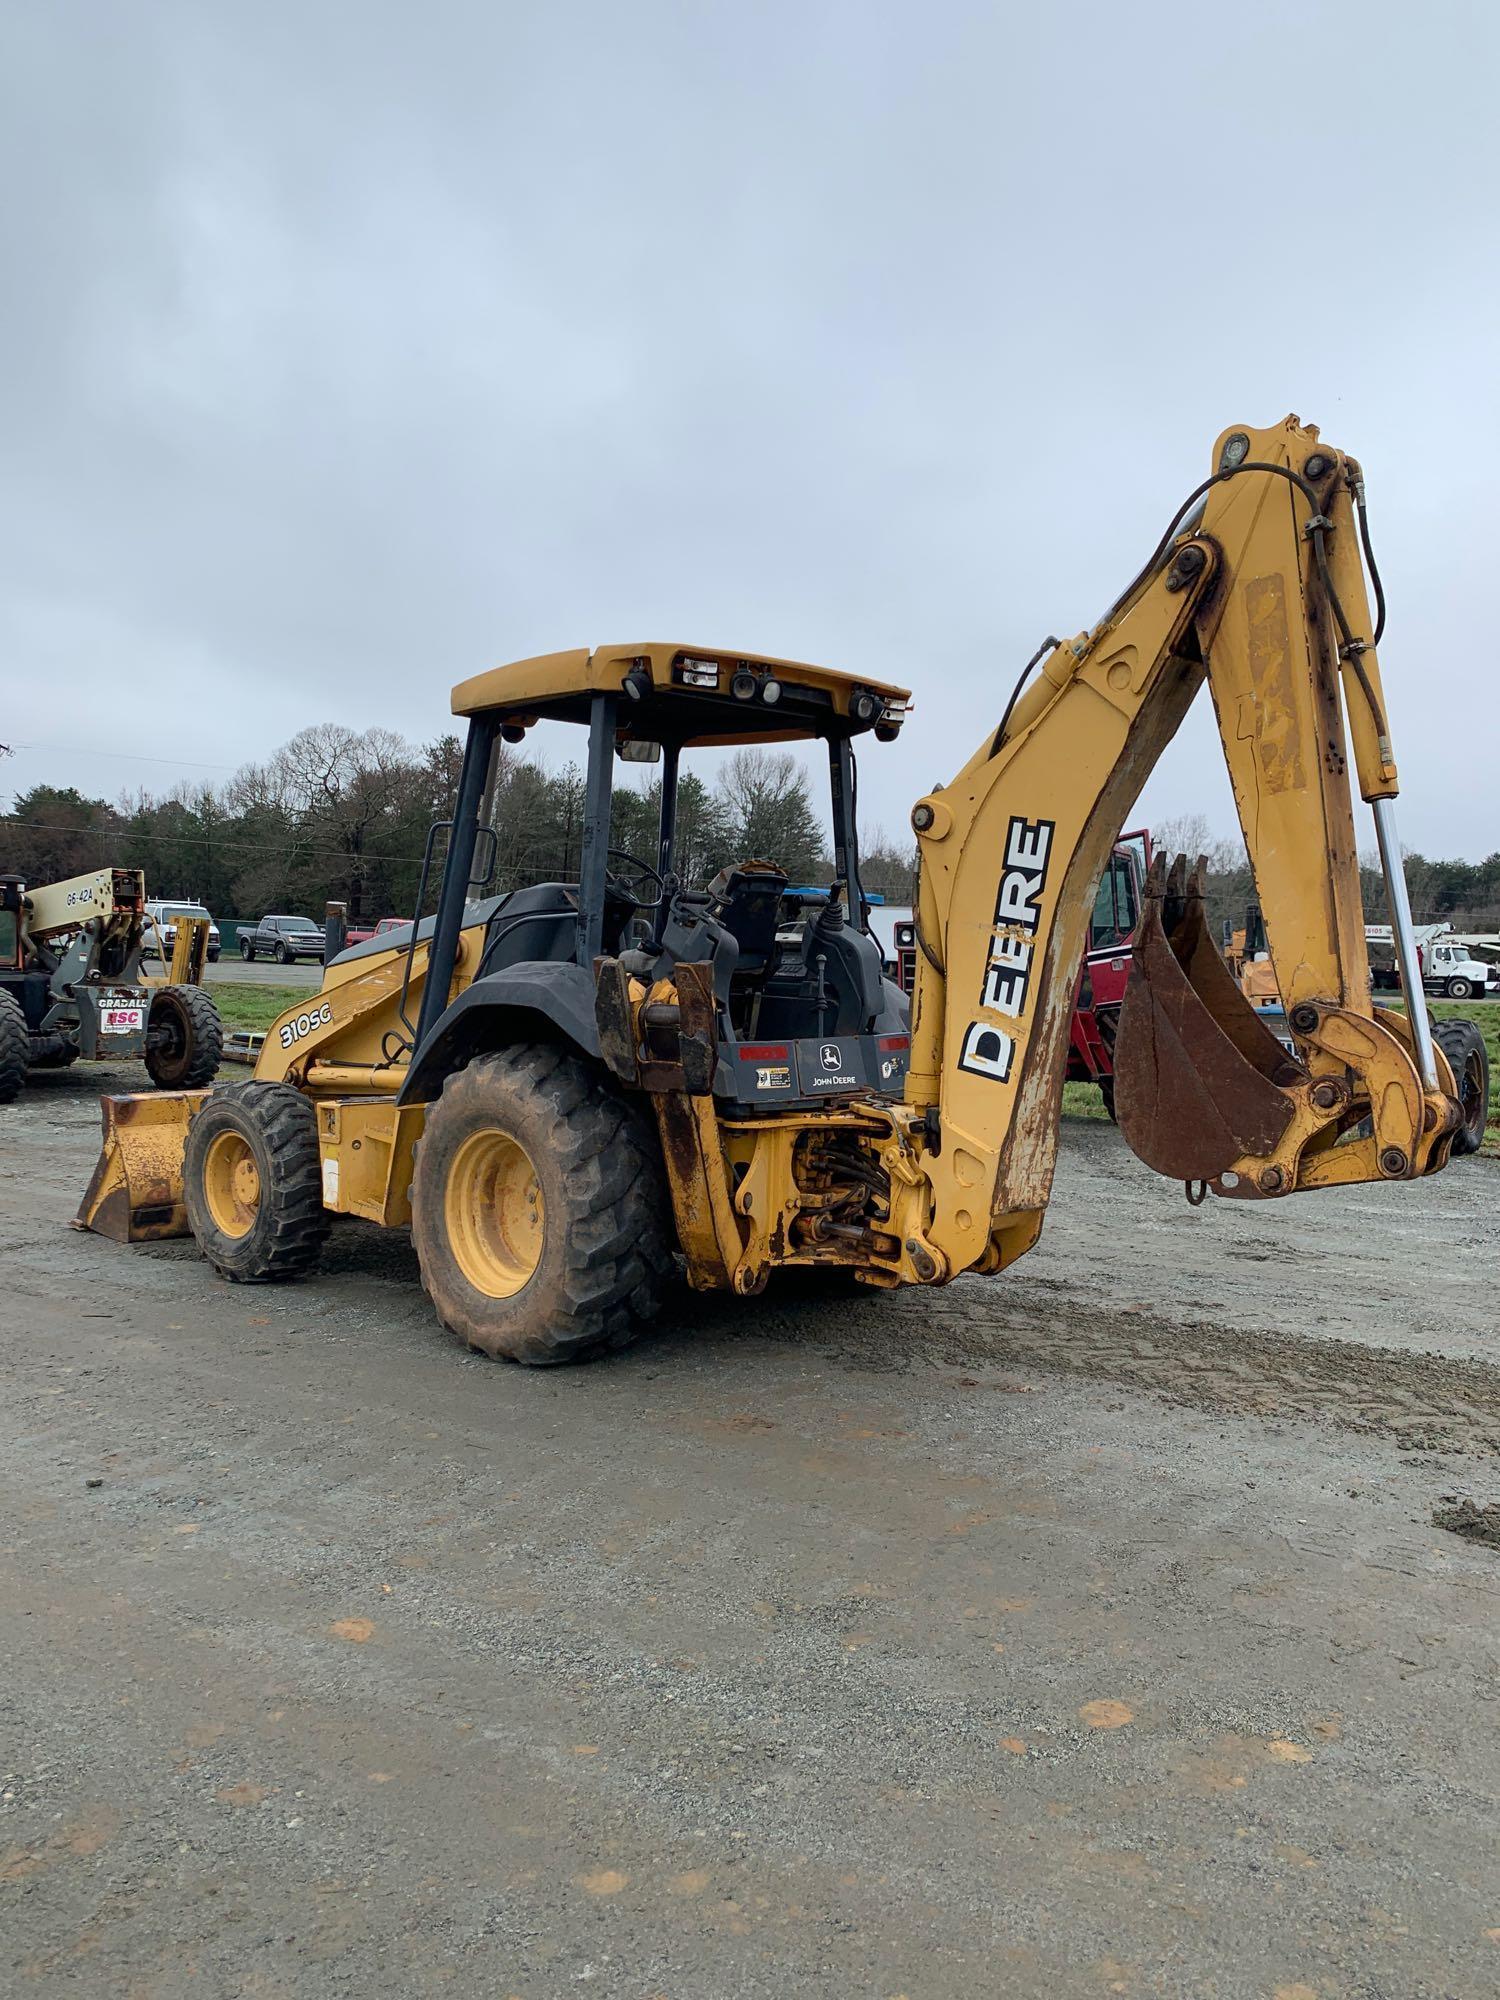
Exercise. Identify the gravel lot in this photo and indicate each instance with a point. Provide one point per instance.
(1082, 1632)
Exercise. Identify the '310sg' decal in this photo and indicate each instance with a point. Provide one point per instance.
(316, 1017)
(988, 1050)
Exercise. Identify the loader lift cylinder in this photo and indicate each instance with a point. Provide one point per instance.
(442, 953)
(1406, 943)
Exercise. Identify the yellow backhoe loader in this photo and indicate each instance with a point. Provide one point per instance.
(564, 1090)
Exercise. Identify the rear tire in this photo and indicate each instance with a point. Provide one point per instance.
(15, 1049)
(184, 1039)
(247, 951)
(1107, 1092)
(1463, 1045)
(539, 1209)
(253, 1184)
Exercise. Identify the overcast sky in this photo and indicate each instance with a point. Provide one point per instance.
(347, 350)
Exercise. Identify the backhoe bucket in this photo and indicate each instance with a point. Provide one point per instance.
(1198, 1075)
(135, 1195)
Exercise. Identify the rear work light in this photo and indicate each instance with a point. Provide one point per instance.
(698, 673)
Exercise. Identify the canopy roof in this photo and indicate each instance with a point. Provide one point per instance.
(686, 694)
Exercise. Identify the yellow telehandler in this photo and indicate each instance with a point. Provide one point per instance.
(564, 1090)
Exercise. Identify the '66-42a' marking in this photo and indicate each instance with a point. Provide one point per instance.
(315, 1017)
(988, 1049)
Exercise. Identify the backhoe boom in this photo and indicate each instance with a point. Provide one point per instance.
(1262, 594)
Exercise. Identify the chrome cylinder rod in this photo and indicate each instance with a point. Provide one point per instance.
(1399, 904)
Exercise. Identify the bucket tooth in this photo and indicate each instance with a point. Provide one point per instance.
(1199, 1080)
(135, 1195)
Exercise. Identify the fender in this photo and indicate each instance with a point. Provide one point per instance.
(538, 1000)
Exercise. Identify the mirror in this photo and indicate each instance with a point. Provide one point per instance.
(637, 750)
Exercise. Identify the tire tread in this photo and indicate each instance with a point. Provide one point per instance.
(619, 1253)
(15, 1049)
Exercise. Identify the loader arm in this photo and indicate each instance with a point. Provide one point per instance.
(1261, 593)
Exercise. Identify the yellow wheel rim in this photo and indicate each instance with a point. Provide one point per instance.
(231, 1184)
(494, 1214)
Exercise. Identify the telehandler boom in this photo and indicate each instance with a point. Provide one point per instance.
(564, 1089)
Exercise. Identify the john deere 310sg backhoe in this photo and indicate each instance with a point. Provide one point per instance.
(564, 1089)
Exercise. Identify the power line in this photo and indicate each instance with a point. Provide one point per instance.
(130, 756)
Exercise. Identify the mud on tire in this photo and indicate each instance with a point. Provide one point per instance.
(599, 1235)
(184, 1038)
(252, 1183)
(1463, 1045)
(15, 1049)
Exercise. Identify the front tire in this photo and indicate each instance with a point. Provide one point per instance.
(1463, 1045)
(253, 1185)
(15, 1049)
(540, 1213)
(184, 1039)
(1460, 989)
(281, 955)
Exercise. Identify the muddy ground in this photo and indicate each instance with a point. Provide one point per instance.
(1082, 1632)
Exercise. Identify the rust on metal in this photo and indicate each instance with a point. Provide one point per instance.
(135, 1195)
(1196, 1087)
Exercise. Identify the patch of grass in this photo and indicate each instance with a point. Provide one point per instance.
(253, 1007)
(1083, 1100)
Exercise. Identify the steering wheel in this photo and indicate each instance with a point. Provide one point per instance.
(640, 869)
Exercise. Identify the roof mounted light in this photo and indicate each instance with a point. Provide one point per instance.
(698, 673)
(637, 683)
(770, 691)
(863, 706)
(742, 684)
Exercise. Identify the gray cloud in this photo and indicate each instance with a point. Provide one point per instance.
(348, 349)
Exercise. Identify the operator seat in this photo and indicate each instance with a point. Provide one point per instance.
(541, 922)
(745, 900)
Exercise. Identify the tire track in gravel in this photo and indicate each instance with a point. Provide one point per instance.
(1422, 1402)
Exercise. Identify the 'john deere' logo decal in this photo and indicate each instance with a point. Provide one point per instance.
(988, 1050)
(830, 1056)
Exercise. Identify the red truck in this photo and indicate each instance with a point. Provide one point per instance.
(1106, 964)
(361, 933)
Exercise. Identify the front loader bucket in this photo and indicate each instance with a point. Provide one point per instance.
(136, 1193)
(1198, 1076)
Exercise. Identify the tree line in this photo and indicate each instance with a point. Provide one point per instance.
(1463, 893)
(343, 814)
